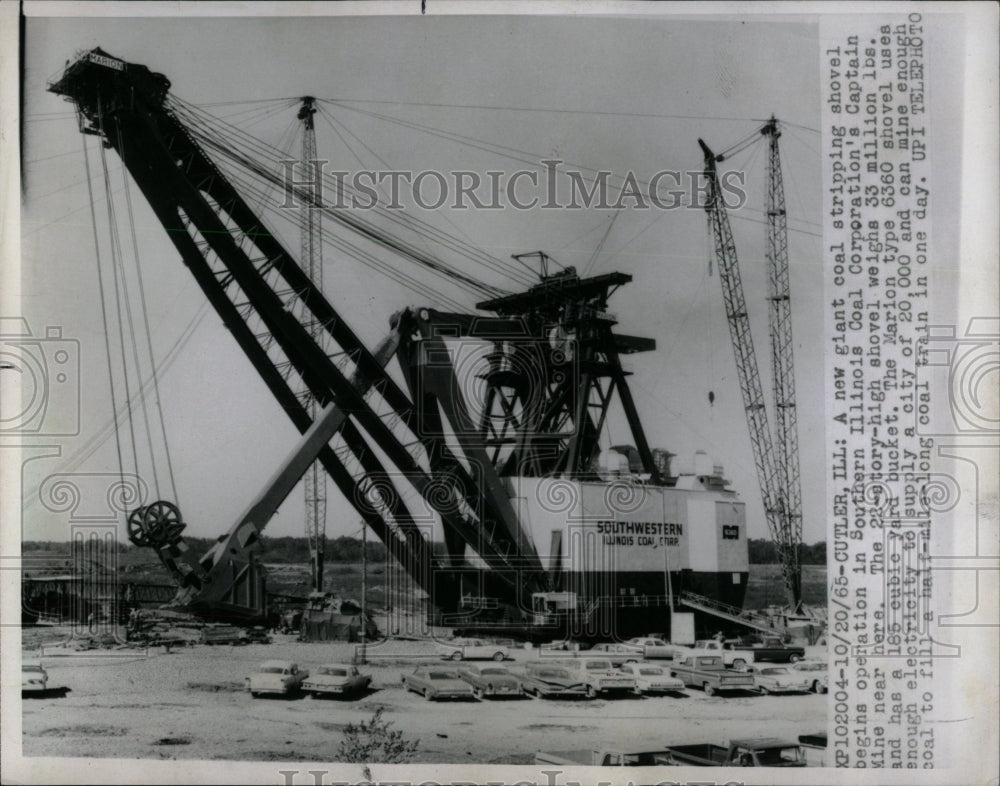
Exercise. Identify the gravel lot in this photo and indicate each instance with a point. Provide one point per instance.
(190, 704)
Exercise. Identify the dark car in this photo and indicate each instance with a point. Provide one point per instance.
(551, 679)
(437, 682)
(491, 680)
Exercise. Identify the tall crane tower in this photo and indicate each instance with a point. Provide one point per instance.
(782, 365)
(311, 247)
(777, 471)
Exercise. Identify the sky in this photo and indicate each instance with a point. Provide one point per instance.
(611, 94)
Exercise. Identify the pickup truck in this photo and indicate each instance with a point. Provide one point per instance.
(737, 654)
(710, 674)
(604, 758)
(760, 752)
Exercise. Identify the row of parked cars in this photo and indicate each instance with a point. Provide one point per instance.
(284, 677)
(548, 678)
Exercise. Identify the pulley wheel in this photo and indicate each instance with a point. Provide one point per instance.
(155, 525)
(136, 527)
(163, 522)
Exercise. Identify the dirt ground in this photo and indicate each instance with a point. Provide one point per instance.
(190, 704)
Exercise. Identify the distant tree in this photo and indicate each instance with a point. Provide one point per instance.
(762, 552)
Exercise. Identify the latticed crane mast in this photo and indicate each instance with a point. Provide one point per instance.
(774, 471)
(311, 247)
(782, 365)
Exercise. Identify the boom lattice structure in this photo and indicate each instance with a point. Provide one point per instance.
(311, 256)
(777, 472)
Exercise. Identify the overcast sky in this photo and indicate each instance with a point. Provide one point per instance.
(609, 94)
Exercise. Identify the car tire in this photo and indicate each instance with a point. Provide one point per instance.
(709, 690)
(499, 656)
(794, 658)
(591, 692)
(765, 691)
(254, 694)
(819, 687)
(739, 663)
(477, 692)
(456, 655)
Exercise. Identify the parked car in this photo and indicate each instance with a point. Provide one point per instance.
(276, 676)
(615, 651)
(551, 678)
(814, 747)
(742, 652)
(604, 758)
(34, 678)
(336, 678)
(710, 674)
(470, 649)
(491, 680)
(650, 678)
(257, 635)
(600, 676)
(779, 679)
(817, 671)
(435, 682)
(763, 752)
(652, 647)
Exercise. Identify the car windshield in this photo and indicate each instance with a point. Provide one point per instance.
(334, 672)
(776, 670)
(651, 672)
(598, 665)
(31, 667)
(552, 673)
(440, 675)
(273, 670)
(812, 667)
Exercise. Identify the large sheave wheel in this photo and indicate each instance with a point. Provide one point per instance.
(156, 524)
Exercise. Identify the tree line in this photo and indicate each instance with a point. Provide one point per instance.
(291, 549)
(763, 552)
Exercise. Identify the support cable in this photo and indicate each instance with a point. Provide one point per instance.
(149, 345)
(115, 247)
(104, 315)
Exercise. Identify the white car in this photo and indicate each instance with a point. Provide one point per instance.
(336, 678)
(276, 676)
(779, 679)
(599, 675)
(816, 670)
(650, 678)
(654, 647)
(473, 649)
(34, 679)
